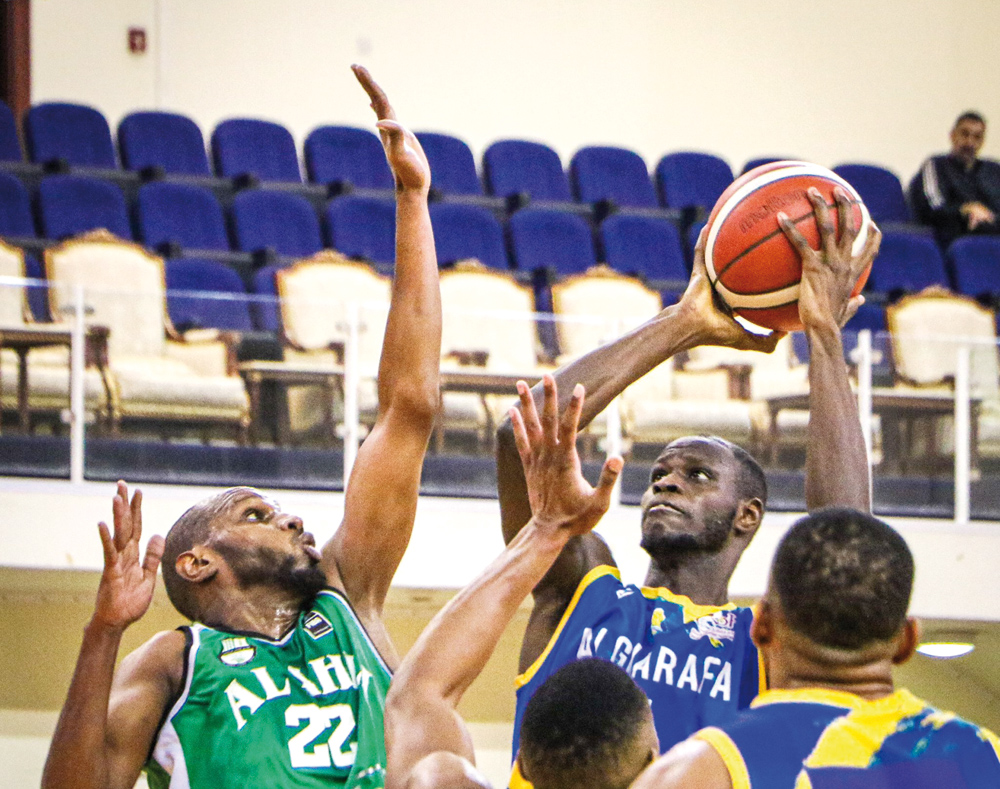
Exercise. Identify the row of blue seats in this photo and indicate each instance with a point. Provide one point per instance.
(344, 158)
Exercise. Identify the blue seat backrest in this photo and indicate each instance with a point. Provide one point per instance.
(280, 221)
(518, 166)
(907, 262)
(975, 265)
(180, 213)
(242, 146)
(880, 188)
(362, 227)
(15, 208)
(544, 238)
(691, 179)
(162, 139)
(608, 173)
(645, 246)
(71, 204)
(265, 309)
(453, 168)
(345, 154)
(215, 297)
(76, 133)
(10, 145)
(467, 231)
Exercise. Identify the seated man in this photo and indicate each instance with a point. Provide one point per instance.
(281, 678)
(830, 627)
(958, 193)
(589, 725)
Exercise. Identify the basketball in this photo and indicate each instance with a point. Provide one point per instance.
(751, 263)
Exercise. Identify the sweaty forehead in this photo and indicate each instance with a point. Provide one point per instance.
(234, 497)
(701, 448)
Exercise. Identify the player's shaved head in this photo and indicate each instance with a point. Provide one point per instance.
(588, 725)
(843, 578)
(194, 527)
(751, 482)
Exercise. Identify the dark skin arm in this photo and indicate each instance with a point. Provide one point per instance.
(421, 709)
(108, 721)
(836, 460)
(605, 373)
(381, 497)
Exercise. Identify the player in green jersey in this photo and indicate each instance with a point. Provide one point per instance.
(281, 681)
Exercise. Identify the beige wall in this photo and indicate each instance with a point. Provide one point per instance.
(853, 80)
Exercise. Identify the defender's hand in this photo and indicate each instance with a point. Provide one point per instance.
(714, 325)
(830, 273)
(406, 158)
(126, 587)
(561, 499)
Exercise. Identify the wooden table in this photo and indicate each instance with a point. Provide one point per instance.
(23, 339)
(901, 410)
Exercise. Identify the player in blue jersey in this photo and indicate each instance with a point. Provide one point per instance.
(830, 627)
(281, 679)
(589, 725)
(677, 636)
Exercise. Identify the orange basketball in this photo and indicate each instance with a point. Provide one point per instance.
(751, 263)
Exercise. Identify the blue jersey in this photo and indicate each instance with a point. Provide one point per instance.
(696, 663)
(826, 739)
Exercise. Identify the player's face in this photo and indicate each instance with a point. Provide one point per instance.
(692, 498)
(967, 139)
(263, 545)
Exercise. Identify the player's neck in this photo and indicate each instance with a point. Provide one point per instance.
(262, 610)
(703, 577)
(868, 676)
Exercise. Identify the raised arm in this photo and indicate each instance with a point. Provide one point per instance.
(381, 497)
(108, 722)
(836, 460)
(421, 717)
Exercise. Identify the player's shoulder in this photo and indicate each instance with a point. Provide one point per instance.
(160, 661)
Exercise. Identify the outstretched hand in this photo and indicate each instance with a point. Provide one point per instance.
(126, 587)
(406, 158)
(714, 323)
(561, 499)
(830, 273)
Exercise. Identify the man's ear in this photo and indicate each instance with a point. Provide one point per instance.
(908, 640)
(748, 517)
(762, 626)
(197, 565)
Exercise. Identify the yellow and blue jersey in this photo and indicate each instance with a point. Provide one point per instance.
(824, 739)
(695, 663)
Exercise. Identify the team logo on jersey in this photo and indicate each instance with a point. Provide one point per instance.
(316, 624)
(623, 593)
(237, 651)
(656, 623)
(717, 627)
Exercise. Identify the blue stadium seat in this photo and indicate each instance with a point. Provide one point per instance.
(245, 146)
(181, 214)
(347, 155)
(15, 208)
(907, 262)
(362, 227)
(453, 168)
(213, 296)
(165, 140)
(542, 238)
(689, 180)
(72, 204)
(644, 246)
(74, 133)
(467, 231)
(264, 309)
(880, 188)
(284, 222)
(618, 175)
(10, 146)
(762, 160)
(512, 167)
(975, 265)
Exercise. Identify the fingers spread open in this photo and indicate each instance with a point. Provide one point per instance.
(154, 553)
(520, 436)
(609, 475)
(550, 411)
(845, 219)
(135, 510)
(827, 230)
(570, 421)
(795, 238)
(108, 544)
(529, 414)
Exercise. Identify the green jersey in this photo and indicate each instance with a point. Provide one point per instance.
(303, 711)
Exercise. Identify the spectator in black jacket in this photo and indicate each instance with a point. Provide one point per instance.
(959, 193)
